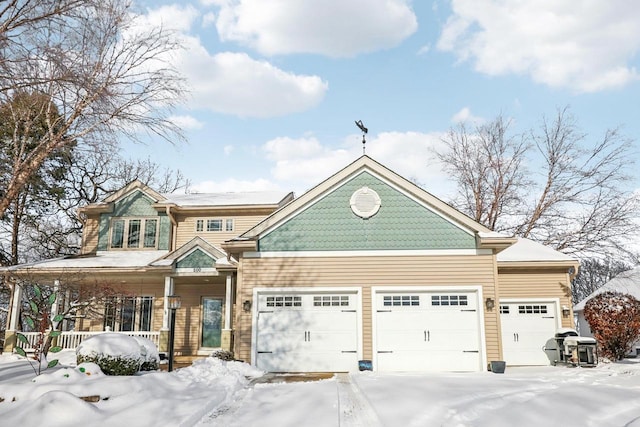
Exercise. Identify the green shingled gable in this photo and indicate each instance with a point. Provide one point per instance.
(400, 224)
(135, 204)
(195, 259)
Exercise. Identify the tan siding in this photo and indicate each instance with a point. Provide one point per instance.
(90, 235)
(186, 229)
(366, 272)
(537, 284)
(188, 317)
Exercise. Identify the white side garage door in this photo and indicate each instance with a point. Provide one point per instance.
(427, 331)
(526, 327)
(307, 332)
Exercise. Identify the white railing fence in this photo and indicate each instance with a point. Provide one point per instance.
(70, 340)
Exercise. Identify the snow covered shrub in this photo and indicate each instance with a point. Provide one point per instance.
(223, 355)
(115, 354)
(149, 353)
(614, 318)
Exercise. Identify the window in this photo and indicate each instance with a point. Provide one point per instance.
(128, 313)
(532, 309)
(504, 309)
(284, 301)
(449, 300)
(134, 233)
(400, 300)
(331, 301)
(214, 225)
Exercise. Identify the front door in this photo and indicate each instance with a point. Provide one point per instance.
(211, 322)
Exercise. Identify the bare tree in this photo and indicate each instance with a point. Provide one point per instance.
(550, 185)
(488, 167)
(105, 76)
(594, 273)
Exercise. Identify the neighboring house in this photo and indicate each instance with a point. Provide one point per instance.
(364, 266)
(627, 282)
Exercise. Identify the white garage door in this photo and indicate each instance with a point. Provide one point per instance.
(307, 332)
(526, 327)
(427, 331)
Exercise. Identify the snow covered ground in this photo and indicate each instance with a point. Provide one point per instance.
(216, 393)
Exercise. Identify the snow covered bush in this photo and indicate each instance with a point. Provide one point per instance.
(614, 319)
(223, 355)
(150, 354)
(116, 354)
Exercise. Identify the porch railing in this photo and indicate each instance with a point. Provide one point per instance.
(71, 340)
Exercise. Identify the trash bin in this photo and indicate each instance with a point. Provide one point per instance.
(498, 366)
(365, 365)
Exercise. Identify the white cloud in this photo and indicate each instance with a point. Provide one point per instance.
(186, 122)
(208, 19)
(234, 83)
(465, 116)
(424, 49)
(172, 17)
(586, 46)
(306, 162)
(335, 28)
(228, 149)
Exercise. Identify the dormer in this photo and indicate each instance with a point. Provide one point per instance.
(127, 220)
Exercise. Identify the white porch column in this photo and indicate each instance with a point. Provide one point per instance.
(15, 307)
(54, 307)
(228, 301)
(168, 290)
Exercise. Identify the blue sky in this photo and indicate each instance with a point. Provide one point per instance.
(276, 85)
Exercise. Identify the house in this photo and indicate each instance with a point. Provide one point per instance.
(364, 266)
(627, 282)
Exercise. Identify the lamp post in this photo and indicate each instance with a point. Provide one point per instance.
(173, 302)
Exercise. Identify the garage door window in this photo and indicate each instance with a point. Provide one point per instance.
(532, 309)
(449, 300)
(331, 301)
(284, 301)
(504, 309)
(400, 300)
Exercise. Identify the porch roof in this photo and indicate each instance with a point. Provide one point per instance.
(100, 259)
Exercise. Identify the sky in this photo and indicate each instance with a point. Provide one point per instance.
(275, 86)
(215, 393)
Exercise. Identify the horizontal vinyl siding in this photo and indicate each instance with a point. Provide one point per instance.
(186, 229)
(537, 284)
(365, 272)
(188, 317)
(90, 235)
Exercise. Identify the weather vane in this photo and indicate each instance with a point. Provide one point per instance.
(364, 132)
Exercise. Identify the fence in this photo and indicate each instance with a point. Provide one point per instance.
(70, 340)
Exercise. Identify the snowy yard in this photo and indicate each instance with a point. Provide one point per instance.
(218, 393)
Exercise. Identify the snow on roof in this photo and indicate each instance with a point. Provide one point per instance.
(227, 199)
(528, 250)
(102, 259)
(627, 282)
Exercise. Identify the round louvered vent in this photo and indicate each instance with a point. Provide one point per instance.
(365, 202)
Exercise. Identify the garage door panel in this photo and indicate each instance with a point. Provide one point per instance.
(427, 331)
(307, 332)
(526, 327)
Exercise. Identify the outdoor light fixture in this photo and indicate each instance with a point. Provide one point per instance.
(173, 302)
(489, 303)
(246, 306)
(565, 311)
